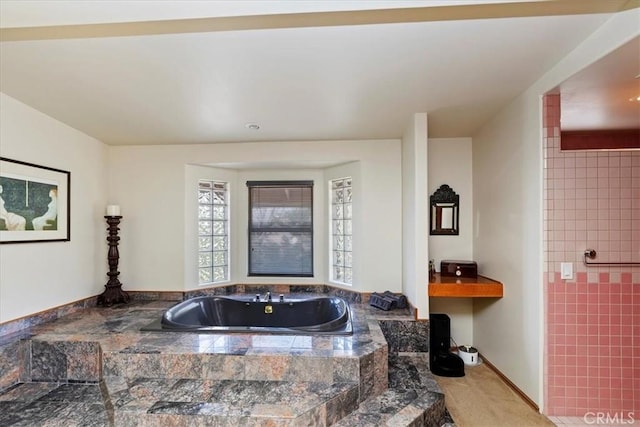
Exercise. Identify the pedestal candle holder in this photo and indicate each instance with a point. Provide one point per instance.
(113, 293)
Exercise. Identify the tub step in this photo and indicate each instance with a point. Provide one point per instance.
(160, 401)
(413, 398)
(398, 408)
(285, 364)
(258, 366)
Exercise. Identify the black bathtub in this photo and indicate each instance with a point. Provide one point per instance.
(317, 315)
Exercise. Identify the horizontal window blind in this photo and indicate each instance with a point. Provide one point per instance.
(280, 228)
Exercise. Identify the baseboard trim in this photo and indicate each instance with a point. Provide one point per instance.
(511, 385)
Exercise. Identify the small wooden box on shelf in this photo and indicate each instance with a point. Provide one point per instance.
(478, 287)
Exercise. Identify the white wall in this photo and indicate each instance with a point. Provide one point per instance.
(450, 162)
(415, 251)
(150, 183)
(38, 276)
(507, 241)
(193, 174)
(359, 265)
(507, 178)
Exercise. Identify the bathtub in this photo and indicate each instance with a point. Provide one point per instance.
(326, 315)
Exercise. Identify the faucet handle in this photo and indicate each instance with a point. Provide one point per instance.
(257, 297)
(281, 298)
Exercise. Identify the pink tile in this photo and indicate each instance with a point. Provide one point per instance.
(558, 330)
(582, 393)
(617, 341)
(583, 308)
(581, 279)
(556, 277)
(593, 403)
(592, 200)
(581, 381)
(626, 330)
(626, 310)
(581, 327)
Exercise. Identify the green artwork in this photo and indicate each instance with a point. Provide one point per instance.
(27, 205)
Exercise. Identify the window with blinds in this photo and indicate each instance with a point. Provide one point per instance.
(280, 228)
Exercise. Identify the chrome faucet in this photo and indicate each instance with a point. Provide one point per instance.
(267, 297)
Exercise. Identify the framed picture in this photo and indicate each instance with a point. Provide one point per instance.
(34, 203)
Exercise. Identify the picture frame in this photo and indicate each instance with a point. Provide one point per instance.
(35, 203)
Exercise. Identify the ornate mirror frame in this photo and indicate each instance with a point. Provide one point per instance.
(444, 214)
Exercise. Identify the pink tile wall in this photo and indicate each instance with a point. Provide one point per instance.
(591, 200)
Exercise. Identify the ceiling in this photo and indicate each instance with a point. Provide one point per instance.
(605, 95)
(170, 72)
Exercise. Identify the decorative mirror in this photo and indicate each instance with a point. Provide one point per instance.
(444, 217)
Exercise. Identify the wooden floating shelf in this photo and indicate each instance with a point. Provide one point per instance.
(457, 287)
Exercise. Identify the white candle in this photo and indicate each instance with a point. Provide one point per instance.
(113, 210)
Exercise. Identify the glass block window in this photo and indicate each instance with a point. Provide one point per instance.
(213, 231)
(341, 230)
(280, 228)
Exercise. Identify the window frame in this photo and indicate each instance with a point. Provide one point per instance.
(250, 229)
(226, 234)
(332, 233)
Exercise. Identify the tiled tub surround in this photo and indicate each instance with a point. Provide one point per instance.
(18, 326)
(185, 378)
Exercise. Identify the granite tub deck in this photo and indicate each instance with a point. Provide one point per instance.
(95, 367)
